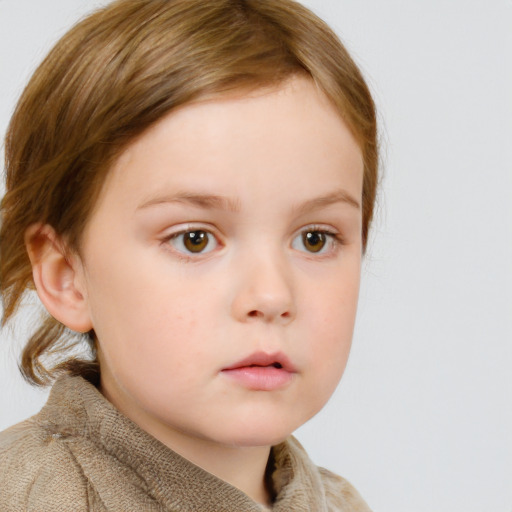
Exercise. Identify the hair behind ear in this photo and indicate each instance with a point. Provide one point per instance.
(40, 364)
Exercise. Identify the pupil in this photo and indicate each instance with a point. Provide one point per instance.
(196, 241)
(314, 241)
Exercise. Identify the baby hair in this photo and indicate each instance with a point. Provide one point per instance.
(117, 73)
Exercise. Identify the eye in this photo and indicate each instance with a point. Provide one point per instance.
(194, 241)
(315, 241)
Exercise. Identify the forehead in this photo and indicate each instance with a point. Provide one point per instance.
(232, 142)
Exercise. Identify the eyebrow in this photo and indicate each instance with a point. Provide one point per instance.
(216, 202)
(205, 201)
(339, 196)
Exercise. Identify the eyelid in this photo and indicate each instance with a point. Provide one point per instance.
(322, 228)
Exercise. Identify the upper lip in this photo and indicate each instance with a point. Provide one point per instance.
(277, 359)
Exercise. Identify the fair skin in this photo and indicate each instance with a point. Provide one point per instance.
(226, 236)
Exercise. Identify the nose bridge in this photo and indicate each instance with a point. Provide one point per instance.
(265, 286)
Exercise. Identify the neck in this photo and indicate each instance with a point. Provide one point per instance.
(242, 467)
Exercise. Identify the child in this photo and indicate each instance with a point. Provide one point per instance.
(190, 184)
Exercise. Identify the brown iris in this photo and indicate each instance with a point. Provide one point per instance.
(314, 241)
(195, 241)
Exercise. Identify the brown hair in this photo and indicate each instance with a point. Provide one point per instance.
(115, 74)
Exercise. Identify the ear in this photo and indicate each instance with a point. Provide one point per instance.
(58, 277)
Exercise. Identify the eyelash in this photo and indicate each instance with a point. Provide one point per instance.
(333, 238)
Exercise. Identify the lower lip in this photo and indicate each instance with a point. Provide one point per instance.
(260, 378)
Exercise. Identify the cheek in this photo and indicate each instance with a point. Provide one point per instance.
(333, 305)
(330, 349)
(157, 335)
(332, 327)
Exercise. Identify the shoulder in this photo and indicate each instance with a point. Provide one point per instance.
(38, 471)
(340, 494)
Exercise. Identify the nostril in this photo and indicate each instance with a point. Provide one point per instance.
(269, 315)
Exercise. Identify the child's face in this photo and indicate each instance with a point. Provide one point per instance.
(208, 246)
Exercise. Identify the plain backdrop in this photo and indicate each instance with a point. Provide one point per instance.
(422, 421)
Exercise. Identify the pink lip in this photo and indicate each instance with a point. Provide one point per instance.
(262, 372)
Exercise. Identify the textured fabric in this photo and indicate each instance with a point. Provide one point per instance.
(81, 454)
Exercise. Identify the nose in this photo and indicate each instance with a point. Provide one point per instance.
(264, 292)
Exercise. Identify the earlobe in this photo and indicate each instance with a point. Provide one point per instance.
(58, 278)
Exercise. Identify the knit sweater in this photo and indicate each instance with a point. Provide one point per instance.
(80, 454)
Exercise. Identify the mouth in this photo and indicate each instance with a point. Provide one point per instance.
(262, 372)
